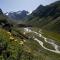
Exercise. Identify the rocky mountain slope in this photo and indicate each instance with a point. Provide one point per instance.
(19, 15)
(46, 17)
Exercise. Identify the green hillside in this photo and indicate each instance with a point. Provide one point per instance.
(46, 17)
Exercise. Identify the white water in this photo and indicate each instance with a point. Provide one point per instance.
(50, 41)
(41, 43)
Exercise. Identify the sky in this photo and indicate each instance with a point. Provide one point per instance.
(28, 5)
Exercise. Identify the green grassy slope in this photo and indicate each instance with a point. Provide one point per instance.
(47, 17)
(15, 48)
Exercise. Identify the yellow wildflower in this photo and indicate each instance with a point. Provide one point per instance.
(11, 38)
(21, 42)
(9, 33)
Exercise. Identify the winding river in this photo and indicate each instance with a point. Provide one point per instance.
(47, 40)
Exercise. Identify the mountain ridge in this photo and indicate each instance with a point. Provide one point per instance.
(18, 15)
(43, 15)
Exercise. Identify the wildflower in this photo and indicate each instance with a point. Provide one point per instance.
(15, 40)
(9, 33)
(11, 38)
(21, 42)
(24, 40)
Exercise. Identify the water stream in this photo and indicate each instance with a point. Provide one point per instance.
(47, 40)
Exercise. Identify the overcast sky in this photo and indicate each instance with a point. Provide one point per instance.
(29, 5)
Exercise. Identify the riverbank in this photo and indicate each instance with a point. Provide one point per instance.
(47, 40)
(53, 35)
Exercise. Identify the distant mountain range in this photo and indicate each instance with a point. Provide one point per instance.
(17, 15)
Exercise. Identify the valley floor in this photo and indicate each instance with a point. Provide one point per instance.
(52, 35)
(14, 46)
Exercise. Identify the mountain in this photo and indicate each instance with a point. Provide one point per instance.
(2, 17)
(5, 23)
(46, 17)
(17, 15)
(1, 11)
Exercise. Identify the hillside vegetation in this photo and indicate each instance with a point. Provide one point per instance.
(46, 17)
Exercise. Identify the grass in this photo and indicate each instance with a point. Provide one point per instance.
(13, 50)
(52, 35)
(30, 50)
(12, 47)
